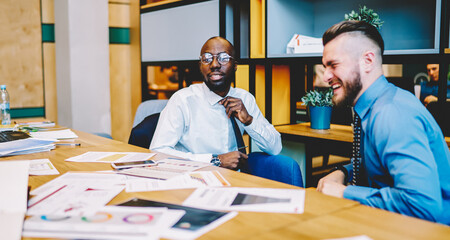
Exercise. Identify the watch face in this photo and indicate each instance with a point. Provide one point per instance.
(215, 161)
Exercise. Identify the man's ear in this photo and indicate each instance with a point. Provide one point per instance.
(368, 61)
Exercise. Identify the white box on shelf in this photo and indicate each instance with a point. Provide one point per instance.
(304, 44)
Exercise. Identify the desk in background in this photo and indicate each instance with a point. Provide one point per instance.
(303, 143)
(324, 216)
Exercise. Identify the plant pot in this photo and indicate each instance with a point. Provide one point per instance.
(320, 117)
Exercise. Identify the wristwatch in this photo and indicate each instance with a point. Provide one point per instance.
(215, 160)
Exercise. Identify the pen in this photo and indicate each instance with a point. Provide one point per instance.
(68, 144)
(244, 147)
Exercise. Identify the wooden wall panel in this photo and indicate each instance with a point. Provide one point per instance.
(51, 106)
(257, 29)
(48, 11)
(119, 15)
(135, 56)
(280, 95)
(21, 52)
(242, 80)
(121, 120)
(260, 88)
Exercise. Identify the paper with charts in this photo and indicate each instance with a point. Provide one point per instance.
(75, 194)
(187, 180)
(166, 168)
(248, 199)
(42, 167)
(110, 157)
(194, 223)
(111, 222)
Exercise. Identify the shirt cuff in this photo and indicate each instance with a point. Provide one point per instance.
(357, 193)
(203, 157)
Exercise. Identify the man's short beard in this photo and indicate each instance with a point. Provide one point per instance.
(221, 87)
(351, 91)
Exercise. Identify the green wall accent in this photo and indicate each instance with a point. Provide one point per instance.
(119, 35)
(116, 35)
(27, 112)
(48, 32)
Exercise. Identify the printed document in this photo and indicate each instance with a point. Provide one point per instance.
(58, 134)
(13, 202)
(111, 222)
(187, 180)
(166, 168)
(248, 199)
(26, 146)
(193, 224)
(109, 157)
(42, 167)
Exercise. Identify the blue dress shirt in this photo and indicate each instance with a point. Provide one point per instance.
(431, 88)
(406, 162)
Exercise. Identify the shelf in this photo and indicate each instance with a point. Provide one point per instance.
(408, 29)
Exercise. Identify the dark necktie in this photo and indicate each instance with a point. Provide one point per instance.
(238, 135)
(356, 155)
(243, 165)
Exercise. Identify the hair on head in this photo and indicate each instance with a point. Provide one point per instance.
(362, 27)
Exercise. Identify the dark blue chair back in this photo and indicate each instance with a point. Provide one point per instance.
(142, 134)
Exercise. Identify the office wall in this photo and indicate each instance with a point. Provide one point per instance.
(20, 54)
(82, 65)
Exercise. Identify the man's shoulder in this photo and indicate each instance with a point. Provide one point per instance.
(186, 92)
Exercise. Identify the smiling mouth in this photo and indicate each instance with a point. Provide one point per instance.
(336, 86)
(215, 76)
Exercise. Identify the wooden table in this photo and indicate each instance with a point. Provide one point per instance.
(337, 140)
(319, 208)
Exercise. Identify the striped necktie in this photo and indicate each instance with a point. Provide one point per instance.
(356, 154)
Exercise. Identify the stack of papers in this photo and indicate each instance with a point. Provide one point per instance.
(13, 201)
(58, 134)
(26, 146)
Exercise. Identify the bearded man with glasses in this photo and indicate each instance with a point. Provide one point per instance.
(205, 122)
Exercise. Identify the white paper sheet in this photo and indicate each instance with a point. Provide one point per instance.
(109, 157)
(248, 199)
(72, 200)
(42, 167)
(87, 179)
(166, 168)
(58, 134)
(187, 180)
(13, 202)
(111, 222)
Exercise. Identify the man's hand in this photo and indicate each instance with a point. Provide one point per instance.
(332, 184)
(234, 106)
(231, 160)
(429, 99)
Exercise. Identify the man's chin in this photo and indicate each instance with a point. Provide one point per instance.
(217, 86)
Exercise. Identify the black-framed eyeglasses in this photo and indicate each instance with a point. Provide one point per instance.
(223, 58)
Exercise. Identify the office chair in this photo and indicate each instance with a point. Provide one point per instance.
(145, 122)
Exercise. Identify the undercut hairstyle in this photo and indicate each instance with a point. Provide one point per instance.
(362, 27)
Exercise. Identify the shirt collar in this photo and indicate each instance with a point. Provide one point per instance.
(369, 96)
(212, 97)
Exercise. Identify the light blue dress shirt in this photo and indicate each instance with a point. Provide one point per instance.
(406, 161)
(194, 125)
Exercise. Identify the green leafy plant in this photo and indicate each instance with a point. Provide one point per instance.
(318, 98)
(367, 15)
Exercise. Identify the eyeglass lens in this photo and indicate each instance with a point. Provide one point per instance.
(222, 58)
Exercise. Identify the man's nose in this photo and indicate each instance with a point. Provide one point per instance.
(215, 63)
(327, 75)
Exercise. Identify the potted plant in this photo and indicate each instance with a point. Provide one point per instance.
(319, 108)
